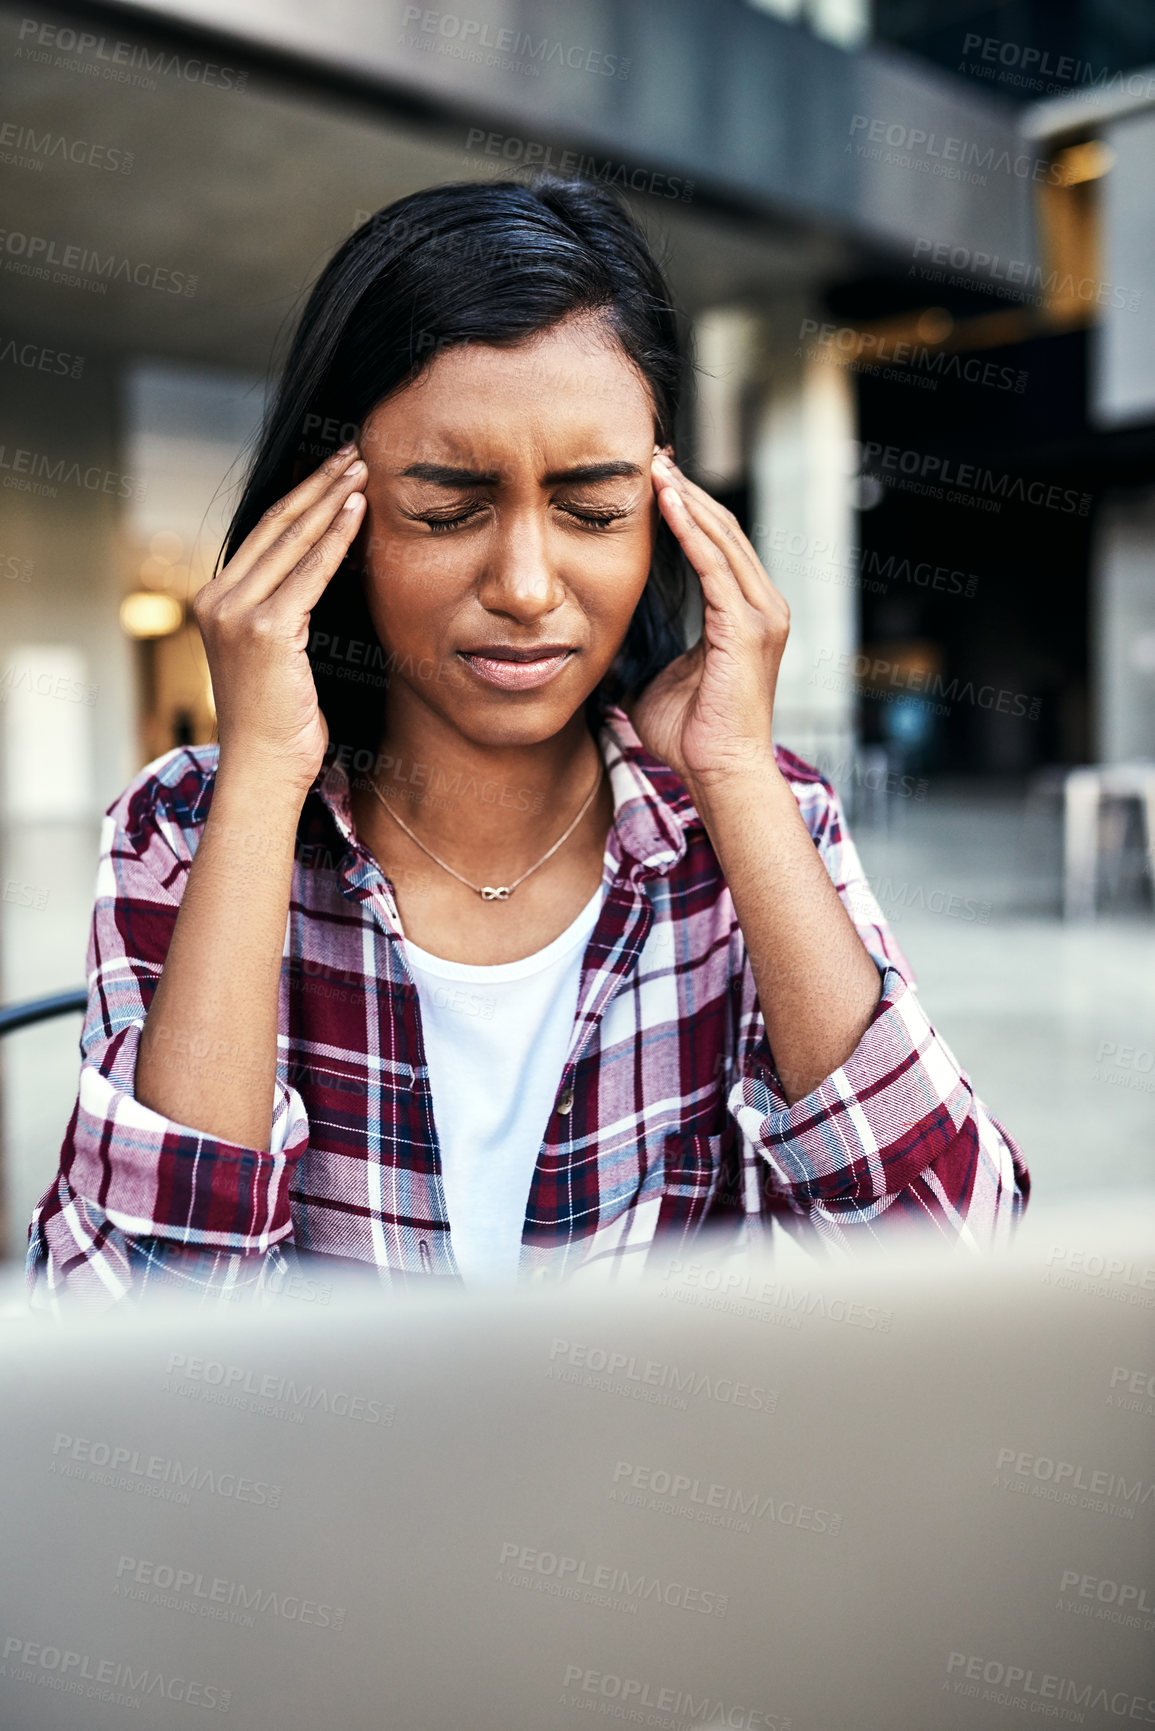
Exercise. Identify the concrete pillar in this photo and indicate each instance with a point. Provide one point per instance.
(846, 22)
(1123, 631)
(726, 355)
(804, 532)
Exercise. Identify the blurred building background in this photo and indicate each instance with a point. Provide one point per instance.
(916, 245)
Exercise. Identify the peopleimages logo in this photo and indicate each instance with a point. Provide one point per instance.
(668, 1378)
(893, 898)
(24, 147)
(871, 678)
(119, 61)
(24, 895)
(1114, 1277)
(72, 266)
(37, 472)
(1022, 1686)
(824, 560)
(37, 358)
(874, 777)
(660, 1490)
(15, 569)
(1128, 1069)
(1138, 1388)
(957, 158)
(869, 350)
(964, 483)
(239, 1380)
(1024, 281)
(1032, 68)
(64, 1669)
(466, 37)
(733, 1283)
(529, 153)
(153, 1475)
(60, 686)
(634, 1692)
(1106, 1592)
(1058, 1480)
(522, 1565)
(182, 1589)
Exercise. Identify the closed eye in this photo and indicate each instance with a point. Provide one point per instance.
(439, 523)
(599, 518)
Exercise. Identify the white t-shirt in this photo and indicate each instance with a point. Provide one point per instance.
(496, 1040)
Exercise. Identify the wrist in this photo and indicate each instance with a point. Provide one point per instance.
(264, 781)
(747, 775)
(253, 818)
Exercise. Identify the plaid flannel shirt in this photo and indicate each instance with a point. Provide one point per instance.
(669, 1116)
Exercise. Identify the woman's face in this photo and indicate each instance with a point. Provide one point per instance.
(511, 518)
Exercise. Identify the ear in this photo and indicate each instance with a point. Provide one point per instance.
(658, 520)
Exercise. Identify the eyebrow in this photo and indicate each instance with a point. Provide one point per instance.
(446, 475)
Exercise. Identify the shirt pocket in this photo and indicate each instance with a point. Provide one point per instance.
(693, 1166)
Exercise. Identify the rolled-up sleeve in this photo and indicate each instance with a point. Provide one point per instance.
(139, 1198)
(897, 1129)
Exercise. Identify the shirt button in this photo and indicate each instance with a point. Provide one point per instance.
(565, 1104)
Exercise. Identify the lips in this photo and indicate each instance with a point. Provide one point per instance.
(516, 669)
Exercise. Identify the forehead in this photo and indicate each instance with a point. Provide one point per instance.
(570, 383)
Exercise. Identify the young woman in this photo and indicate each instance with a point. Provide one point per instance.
(495, 939)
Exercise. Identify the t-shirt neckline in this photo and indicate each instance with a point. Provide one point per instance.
(576, 932)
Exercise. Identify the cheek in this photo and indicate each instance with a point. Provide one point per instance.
(610, 598)
(411, 579)
(394, 601)
(630, 569)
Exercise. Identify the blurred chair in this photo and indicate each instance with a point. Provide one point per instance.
(13, 1016)
(871, 805)
(26, 1015)
(1084, 792)
(858, 774)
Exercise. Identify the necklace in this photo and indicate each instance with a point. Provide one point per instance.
(502, 892)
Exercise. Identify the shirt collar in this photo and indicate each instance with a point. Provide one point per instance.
(652, 809)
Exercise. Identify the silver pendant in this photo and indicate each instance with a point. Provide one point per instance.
(492, 895)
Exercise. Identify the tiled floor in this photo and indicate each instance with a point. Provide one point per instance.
(1056, 1024)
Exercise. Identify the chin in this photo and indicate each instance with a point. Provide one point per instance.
(513, 718)
(520, 722)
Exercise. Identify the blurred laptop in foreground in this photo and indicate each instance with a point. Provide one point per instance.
(894, 1495)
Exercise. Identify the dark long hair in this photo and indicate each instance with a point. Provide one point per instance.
(464, 262)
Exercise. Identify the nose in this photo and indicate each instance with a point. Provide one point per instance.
(520, 580)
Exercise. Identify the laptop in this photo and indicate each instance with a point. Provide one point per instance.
(913, 1492)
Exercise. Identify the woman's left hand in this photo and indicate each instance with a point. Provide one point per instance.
(709, 713)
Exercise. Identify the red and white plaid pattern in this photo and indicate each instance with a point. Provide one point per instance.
(677, 1122)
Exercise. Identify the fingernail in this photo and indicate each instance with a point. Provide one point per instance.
(345, 450)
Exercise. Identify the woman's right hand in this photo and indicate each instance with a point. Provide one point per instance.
(254, 621)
